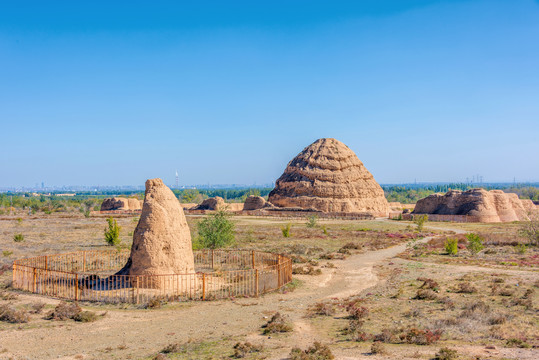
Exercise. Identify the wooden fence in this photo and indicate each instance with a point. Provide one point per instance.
(454, 218)
(89, 276)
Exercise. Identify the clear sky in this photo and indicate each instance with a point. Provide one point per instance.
(115, 92)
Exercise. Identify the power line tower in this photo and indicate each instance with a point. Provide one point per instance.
(177, 180)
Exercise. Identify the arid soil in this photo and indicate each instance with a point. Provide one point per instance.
(209, 330)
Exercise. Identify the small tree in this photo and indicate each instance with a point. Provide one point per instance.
(530, 229)
(216, 231)
(452, 246)
(112, 232)
(420, 221)
(286, 230)
(312, 221)
(475, 243)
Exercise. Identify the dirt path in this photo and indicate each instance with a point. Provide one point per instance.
(138, 333)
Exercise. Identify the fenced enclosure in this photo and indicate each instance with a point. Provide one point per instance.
(89, 276)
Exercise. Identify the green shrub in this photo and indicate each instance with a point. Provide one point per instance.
(521, 248)
(18, 237)
(7, 253)
(312, 221)
(112, 232)
(286, 230)
(420, 221)
(215, 231)
(324, 229)
(475, 243)
(451, 246)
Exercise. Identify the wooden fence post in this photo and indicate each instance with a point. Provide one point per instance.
(84, 262)
(34, 281)
(76, 287)
(256, 282)
(253, 258)
(279, 271)
(212, 264)
(46, 262)
(203, 286)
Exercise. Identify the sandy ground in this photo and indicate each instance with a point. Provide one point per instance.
(136, 334)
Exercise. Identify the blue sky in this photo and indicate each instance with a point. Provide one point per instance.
(113, 93)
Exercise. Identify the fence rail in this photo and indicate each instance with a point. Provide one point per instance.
(82, 276)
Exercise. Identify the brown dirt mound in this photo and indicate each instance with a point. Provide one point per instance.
(254, 203)
(487, 206)
(329, 177)
(120, 203)
(214, 203)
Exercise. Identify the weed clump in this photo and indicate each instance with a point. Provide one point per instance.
(12, 315)
(277, 324)
(426, 294)
(323, 308)
(315, 352)
(446, 354)
(466, 288)
(242, 349)
(85, 316)
(378, 348)
(306, 270)
(421, 337)
(64, 311)
(18, 237)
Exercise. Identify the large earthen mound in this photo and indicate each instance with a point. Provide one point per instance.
(254, 203)
(120, 203)
(162, 240)
(214, 203)
(327, 176)
(485, 206)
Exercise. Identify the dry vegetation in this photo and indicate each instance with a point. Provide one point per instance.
(425, 304)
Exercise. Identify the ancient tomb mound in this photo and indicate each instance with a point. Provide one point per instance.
(160, 265)
(254, 203)
(327, 176)
(482, 205)
(162, 240)
(120, 203)
(214, 203)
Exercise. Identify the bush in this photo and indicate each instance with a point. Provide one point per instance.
(216, 231)
(428, 284)
(242, 349)
(316, 352)
(451, 246)
(446, 354)
(323, 308)
(357, 312)
(466, 288)
(18, 237)
(420, 221)
(9, 314)
(378, 348)
(64, 311)
(426, 294)
(475, 243)
(277, 324)
(85, 316)
(324, 229)
(112, 232)
(37, 307)
(422, 337)
(312, 221)
(286, 230)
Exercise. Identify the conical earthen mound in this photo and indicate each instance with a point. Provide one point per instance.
(162, 240)
(328, 176)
